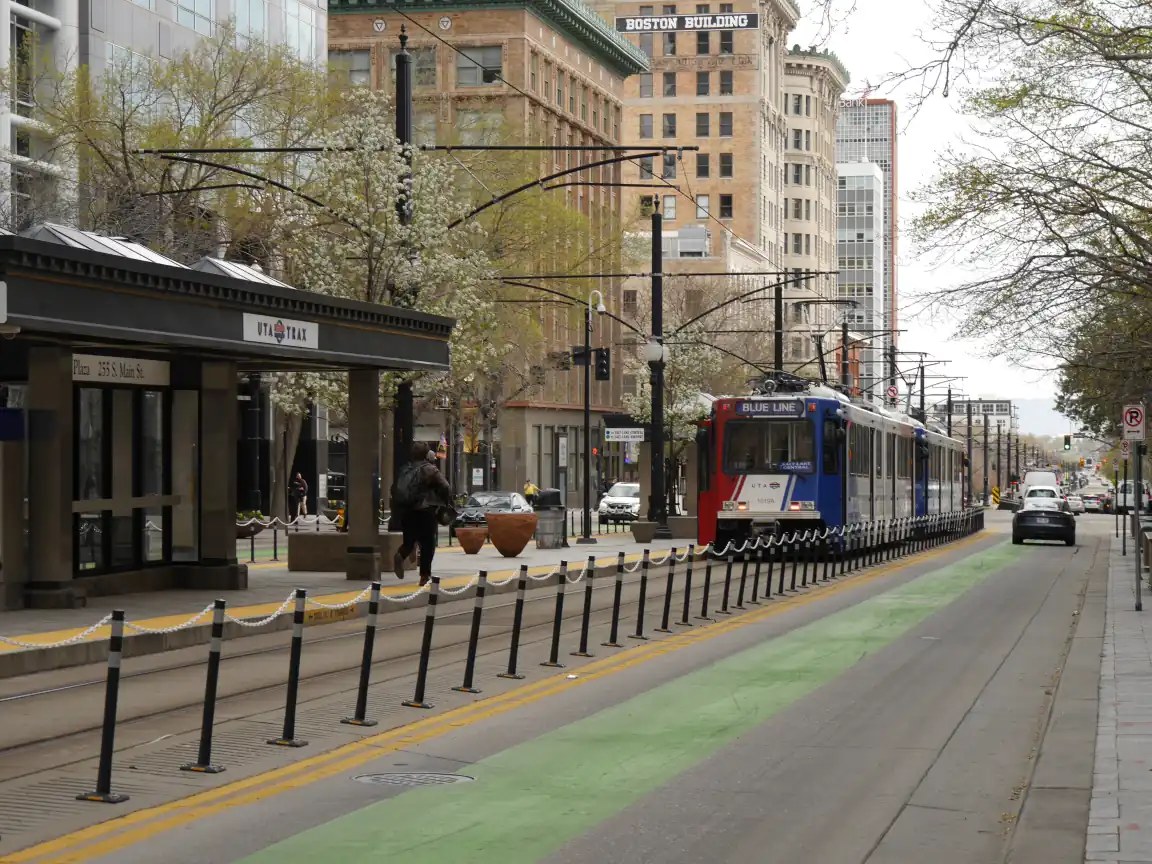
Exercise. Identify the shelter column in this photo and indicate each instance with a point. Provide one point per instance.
(363, 474)
(219, 431)
(50, 435)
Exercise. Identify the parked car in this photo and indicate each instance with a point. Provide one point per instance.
(1075, 504)
(1125, 495)
(621, 503)
(1044, 518)
(475, 510)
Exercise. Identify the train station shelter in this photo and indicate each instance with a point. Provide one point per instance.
(118, 435)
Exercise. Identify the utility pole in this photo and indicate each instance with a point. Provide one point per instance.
(778, 315)
(949, 409)
(403, 419)
(985, 457)
(923, 415)
(657, 501)
(970, 465)
(999, 462)
(891, 351)
(845, 372)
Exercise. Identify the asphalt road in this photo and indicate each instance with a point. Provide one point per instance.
(943, 711)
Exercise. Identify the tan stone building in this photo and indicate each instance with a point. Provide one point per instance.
(553, 73)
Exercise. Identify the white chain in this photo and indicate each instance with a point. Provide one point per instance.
(404, 598)
(283, 606)
(633, 567)
(453, 592)
(497, 583)
(129, 625)
(79, 637)
(544, 577)
(579, 576)
(344, 605)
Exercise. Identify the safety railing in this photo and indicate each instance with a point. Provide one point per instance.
(755, 570)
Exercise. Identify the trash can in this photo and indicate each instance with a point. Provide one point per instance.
(551, 532)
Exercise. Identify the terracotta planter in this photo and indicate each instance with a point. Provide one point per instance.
(510, 532)
(471, 539)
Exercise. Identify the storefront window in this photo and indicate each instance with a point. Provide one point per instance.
(185, 469)
(90, 475)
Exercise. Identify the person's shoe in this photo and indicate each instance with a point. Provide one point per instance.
(424, 580)
(398, 566)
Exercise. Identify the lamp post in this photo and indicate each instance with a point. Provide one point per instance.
(586, 520)
(657, 355)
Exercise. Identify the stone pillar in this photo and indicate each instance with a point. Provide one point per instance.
(50, 431)
(644, 464)
(219, 429)
(13, 567)
(363, 472)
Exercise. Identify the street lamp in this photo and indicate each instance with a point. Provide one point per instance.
(598, 307)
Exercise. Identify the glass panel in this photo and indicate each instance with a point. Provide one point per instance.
(152, 541)
(90, 473)
(90, 542)
(185, 473)
(152, 443)
(123, 546)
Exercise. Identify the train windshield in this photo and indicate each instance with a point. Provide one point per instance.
(769, 446)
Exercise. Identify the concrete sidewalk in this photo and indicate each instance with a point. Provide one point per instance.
(1120, 824)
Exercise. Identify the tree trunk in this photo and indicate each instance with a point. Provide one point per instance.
(288, 428)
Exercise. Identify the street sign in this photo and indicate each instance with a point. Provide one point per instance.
(1125, 450)
(1133, 421)
(676, 23)
(627, 435)
(892, 391)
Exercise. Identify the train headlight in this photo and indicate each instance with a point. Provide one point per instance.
(741, 505)
(802, 505)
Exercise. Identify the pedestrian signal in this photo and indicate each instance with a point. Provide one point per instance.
(1067, 442)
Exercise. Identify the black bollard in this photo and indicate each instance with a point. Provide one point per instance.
(586, 615)
(794, 548)
(743, 577)
(639, 634)
(517, 620)
(203, 763)
(684, 622)
(104, 793)
(727, 586)
(703, 616)
(842, 549)
(561, 584)
(358, 717)
(288, 736)
(275, 542)
(417, 701)
(826, 553)
(806, 554)
(474, 635)
(614, 631)
(756, 573)
(663, 628)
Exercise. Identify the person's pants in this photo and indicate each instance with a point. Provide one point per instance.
(302, 507)
(421, 527)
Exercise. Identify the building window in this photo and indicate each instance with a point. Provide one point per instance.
(353, 67)
(797, 139)
(547, 79)
(703, 83)
(645, 85)
(646, 168)
(725, 206)
(796, 208)
(647, 43)
(583, 103)
(631, 304)
(807, 139)
(423, 66)
(726, 41)
(572, 95)
(560, 89)
(808, 106)
(785, 208)
(669, 206)
(807, 244)
(702, 167)
(251, 18)
(647, 205)
(726, 83)
(669, 44)
(703, 42)
(299, 27)
(702, 123)
(725, 8)
(669, 83)
(477, 66)
(533, 67)
(668, 128)
(796, 103)
(701, 206)
(669, 166)
(702, 8)
(725, 124)
(199, 15)
(798, 174)
(725, 164)
(807, 208)
(797, 240)
(807, 175)
(645, 125)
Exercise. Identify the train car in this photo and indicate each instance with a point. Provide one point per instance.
(807, 456)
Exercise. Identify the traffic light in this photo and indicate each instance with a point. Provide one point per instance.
(603, 364)
(1067, 442)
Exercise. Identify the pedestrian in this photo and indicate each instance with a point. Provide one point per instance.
(299, 495)
(531, 491)
(419, 495)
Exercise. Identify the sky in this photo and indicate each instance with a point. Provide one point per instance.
(879, 37)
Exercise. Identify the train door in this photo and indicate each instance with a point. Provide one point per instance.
(872, 436)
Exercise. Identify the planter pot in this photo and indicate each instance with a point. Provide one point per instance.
(510, 532)
(643, 532)
(243, 532)
(471, 539)
(330, 514)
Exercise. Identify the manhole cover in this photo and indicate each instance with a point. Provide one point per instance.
(411, 779)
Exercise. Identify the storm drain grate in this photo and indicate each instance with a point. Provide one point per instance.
(412, 779)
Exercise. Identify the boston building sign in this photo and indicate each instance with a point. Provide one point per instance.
(674, 23)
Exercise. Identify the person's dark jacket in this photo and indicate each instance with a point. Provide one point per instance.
(434, 489)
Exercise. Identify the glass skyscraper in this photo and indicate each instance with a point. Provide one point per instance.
(862, 273)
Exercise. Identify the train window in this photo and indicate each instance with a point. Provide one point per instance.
(704, 457)
(831, 447)
(764, 446)
(858, 438)
(878, 454)
(904, 458)
(891, 454)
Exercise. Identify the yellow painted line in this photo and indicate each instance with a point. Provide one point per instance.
(263, 610)
(108, 837)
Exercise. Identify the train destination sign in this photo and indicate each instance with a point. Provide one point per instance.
(675, 23)
(770, 408)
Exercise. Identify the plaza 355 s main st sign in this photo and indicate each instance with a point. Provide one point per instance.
(675, 23)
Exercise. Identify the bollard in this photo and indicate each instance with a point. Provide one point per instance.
(771, 568)
(203, 763)
(614, 631)
(275, 543)
(639, 634)
(663, 628)
(561, 584)
(806, 555)
(825, 553)
(727, 587)
(358, 715)
(743, 578)
(842, 549)
(756, 573)
(474, 635)
(586, 615)
(288, 736)
(417, 701)
(104, 793)
(517, 620)
(251, 548)
(794, 548)
(686, 611)
(778, 555)
(703, 616)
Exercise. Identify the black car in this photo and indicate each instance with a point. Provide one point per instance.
(479, 504)
(1044, 519)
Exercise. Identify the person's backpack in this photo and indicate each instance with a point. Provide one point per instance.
(408, 490)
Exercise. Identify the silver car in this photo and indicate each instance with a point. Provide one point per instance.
(1075, 504)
